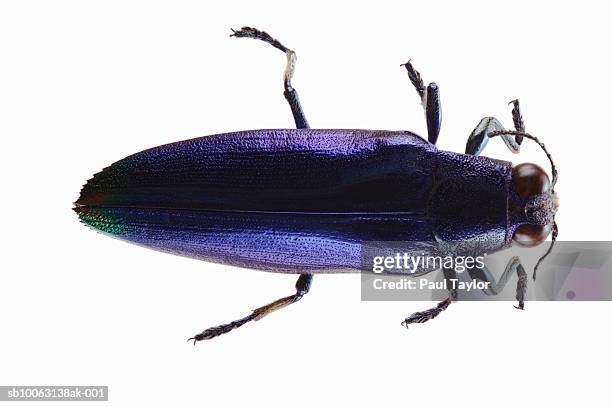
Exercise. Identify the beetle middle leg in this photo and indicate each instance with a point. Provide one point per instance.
(301, 288)
(430, 98)
(290, 93)
(487, 125)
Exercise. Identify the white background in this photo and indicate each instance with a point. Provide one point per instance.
(83, 84)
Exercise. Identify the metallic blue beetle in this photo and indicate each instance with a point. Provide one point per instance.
(306, 200)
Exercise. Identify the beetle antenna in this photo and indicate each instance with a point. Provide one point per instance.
(534, 138)
(555, 232)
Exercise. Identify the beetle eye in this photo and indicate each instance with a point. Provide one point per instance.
(531, 235)
(529, 179)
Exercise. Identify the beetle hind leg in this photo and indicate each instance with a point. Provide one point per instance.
(430, 98)
(304, 281)
(290, 92)
(301, 288)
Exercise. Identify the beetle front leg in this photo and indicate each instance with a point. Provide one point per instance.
(513, 266)
(480, 135)
(301, 288)
(290, 93)
(430, 98)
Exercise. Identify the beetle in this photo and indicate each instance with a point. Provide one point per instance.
(305, 200)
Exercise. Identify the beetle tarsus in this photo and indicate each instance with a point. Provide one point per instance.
(517, 118)
(521, 286)
(424, 316)
(430, 98)
(415, 78)
(250, 32)
(220, 330)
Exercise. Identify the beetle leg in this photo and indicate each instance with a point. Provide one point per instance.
(430, 98)
(480, 135)
(301, 287)
(304, 281)
(424, 316)
(514, 265)
(290, 93)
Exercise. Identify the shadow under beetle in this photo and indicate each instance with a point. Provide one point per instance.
(305, 200)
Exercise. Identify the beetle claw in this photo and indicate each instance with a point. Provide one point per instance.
(406, 63)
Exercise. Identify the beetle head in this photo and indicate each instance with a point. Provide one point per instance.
(536, 202)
